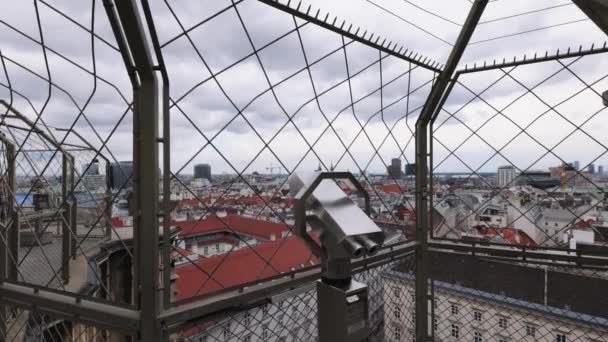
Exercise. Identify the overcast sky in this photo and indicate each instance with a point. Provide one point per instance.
(207, 108)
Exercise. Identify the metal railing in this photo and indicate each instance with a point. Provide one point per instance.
(146, 251)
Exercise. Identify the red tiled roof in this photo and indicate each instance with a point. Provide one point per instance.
(409, 213)
(585, 224)
(232, 223)
(241, 266)
(117, 222)
(391, 188)
(511, 235)
(230, 200)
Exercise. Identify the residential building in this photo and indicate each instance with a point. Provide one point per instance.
(505, 176)
(121, 175)
(202, 171)
(394, 170)
(478, 299)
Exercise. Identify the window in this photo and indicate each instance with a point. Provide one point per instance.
(477, 337)
(396, 292)
(455, 309)
(435, 324)
(477, 316)
(247, 319)
(205, 250)
(503, 322)
(397, 312)
(455, 331)
(217, 247)
(530, 330)
(414, 316)
(560, 338)
(397, 331)
(247, 338)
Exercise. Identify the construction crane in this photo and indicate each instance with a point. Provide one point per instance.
(271, 168)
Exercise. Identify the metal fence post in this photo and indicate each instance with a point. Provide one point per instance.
(8, 252)
(73, 211)
(134, 47)
(424, 194)
(7, 263)
(108, 209)
(12, 237)
(65, 218)
(166, 141)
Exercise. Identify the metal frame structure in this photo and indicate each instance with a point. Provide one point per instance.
(108, 191)
(68, 201)
(154, 317)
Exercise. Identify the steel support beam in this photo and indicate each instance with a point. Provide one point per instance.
(166, 141)
(416, 59)
(596, 10)
(423, 169)
(145, 161)
(12, 236)
(110, 316)
(8, 260)
(66, 238)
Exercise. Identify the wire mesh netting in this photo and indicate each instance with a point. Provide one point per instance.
(294, 318)
(552, 195)
(254, 91)
(32, 325)
(496, 299)
(62, 113)
(256, 136)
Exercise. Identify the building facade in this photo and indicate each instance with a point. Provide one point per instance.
(121, 175)
(505, 176)
(394, 170)
(202, 171)
(486, 307)
(410, 169)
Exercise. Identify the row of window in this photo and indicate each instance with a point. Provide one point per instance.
(503, 322)
(397, 293)
(478, 336)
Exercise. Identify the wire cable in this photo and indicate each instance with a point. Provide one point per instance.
(528, 31)
(433, 14)
(523, 13)
(409, 22)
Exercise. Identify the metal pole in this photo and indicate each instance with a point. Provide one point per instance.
(73, 211)
(108, 199)
(108, 192)
(12, 237)
(145, 171)
(166, 141)
(6, 262)
(4, 256)
(423, 192)
(65, 225)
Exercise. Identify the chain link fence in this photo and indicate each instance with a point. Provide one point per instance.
(147, 147)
